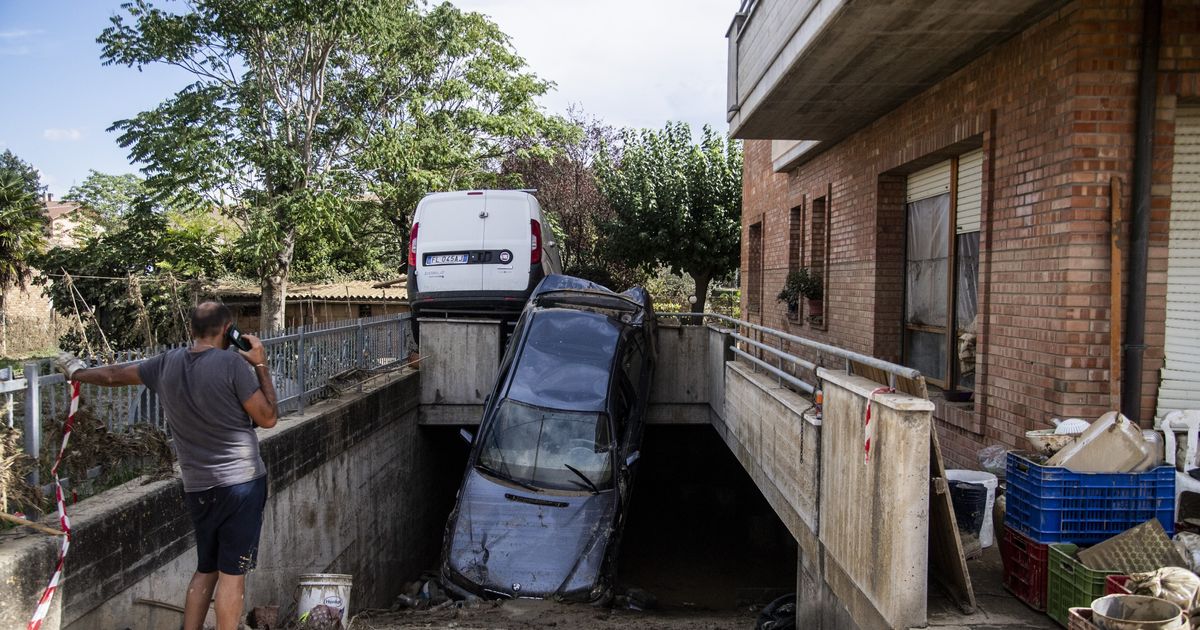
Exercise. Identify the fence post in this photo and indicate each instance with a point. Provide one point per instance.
(301, 366)
(361, 342)
(33, 419)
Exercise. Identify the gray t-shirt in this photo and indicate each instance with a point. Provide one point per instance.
(202, 394)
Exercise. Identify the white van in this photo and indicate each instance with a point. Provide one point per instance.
(478, 251)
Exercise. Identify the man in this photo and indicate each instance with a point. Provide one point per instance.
(212, 403)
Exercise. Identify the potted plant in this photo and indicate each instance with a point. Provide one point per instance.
(802, 283)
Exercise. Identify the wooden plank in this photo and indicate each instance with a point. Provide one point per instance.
(947, 563)
(1114, 312)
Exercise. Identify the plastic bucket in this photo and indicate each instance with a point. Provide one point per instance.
(329, 589)
(987, 534)
(1136, 612)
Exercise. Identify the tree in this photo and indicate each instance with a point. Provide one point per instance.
(676, 203)
(140, 276)
(569, 193)
(300, 108)
(109, 197)
(23, 226)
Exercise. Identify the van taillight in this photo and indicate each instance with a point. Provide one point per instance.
(412, 249)
(535, 243)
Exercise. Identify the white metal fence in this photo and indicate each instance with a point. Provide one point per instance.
(302, 361)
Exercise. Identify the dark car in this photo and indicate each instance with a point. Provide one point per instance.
(547, 486)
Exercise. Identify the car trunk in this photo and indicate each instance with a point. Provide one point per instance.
(451, 225)
(507, 228)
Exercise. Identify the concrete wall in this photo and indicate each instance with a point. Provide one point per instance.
(862, 529)
(355, 487)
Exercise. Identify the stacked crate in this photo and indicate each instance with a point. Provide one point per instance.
(1051, 511)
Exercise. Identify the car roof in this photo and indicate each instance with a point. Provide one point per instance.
(565, 360)
(487, 193)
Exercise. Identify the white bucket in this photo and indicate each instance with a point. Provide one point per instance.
(987, 533)
(330, 589)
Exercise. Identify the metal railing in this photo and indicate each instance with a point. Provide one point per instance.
(302, 360)
(751, 335)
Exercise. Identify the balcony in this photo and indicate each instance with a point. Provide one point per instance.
(817, 70)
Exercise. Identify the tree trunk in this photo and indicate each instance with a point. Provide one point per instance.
(3, 324)
(702, 280)
(273, 302)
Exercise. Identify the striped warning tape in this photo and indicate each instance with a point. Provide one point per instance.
(43, 607)
(868, 428)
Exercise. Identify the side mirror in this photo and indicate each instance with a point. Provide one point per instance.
(467, 436)
(633, 457)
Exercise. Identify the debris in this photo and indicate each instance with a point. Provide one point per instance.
(778, 615)
(264, 618)
(1112, 443)
(1144, 547)
(321, 617)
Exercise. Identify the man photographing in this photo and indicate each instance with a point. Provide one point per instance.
(213, 403)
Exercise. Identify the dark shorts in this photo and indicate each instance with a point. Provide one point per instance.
(228, 521)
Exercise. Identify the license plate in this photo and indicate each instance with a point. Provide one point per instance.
(446, 259)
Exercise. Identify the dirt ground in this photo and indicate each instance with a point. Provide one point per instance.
(539, 615)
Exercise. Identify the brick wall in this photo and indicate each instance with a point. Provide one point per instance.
(1054, 110)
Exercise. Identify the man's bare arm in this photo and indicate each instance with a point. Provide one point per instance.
(262, 406)
(109, 375)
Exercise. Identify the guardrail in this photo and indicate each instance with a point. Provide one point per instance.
(302, 360)
(754, 335)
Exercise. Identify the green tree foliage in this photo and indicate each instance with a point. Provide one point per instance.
(107, 197)
(134, 282)
(317, 125)
(23, 222)
(676, 203)
(570, 196)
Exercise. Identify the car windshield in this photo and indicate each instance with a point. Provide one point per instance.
(539, 447)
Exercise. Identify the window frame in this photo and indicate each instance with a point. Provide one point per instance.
(754, 271)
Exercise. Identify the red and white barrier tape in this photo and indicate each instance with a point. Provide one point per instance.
(868, 428)
(43, 607)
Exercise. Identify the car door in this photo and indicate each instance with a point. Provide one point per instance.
(507, 235)
(449, 239)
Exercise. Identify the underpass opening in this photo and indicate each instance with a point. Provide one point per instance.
(699, 533)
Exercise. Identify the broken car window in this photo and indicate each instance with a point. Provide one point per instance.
(535, 445)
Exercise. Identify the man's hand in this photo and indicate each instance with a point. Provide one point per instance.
(68, 364)
(257, 355)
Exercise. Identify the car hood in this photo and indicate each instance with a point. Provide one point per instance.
(509, 542)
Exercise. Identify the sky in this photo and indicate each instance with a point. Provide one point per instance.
(632, 63)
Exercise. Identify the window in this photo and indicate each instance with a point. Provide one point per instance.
(539, 447)
(796, 238)
(942, 269)
(364, 310)
(818, 257)
(754, 273)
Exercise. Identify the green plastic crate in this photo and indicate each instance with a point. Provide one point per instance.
(1070, 583)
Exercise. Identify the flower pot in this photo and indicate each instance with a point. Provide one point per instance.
(816, 308)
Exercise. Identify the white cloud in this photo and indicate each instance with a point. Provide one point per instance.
(20, 34)
(62, 135)
(630, 62)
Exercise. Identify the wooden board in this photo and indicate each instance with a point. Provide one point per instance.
(947, 563)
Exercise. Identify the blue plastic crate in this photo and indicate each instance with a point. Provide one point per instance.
(1052, 504)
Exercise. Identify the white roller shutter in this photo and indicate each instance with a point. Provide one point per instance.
(1180, 388)
(970, 191)
(929, 182)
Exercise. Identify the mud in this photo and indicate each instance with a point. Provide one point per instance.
(538, 615)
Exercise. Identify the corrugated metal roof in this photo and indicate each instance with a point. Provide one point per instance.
(390, 291)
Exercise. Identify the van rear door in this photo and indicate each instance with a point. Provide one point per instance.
(507, 235)
(450, 233)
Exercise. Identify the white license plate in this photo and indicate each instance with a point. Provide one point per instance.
(446, 259)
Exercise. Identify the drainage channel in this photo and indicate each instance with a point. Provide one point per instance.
(700, 543)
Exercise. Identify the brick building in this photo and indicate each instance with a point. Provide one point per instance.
(946, 167)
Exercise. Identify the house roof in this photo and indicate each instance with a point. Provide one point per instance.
(59, 209)
(355, 290)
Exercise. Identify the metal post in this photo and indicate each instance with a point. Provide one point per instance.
(300, 366)
(33, 419)
(361, 340)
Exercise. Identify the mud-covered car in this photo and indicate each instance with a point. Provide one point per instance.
(547, 487)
